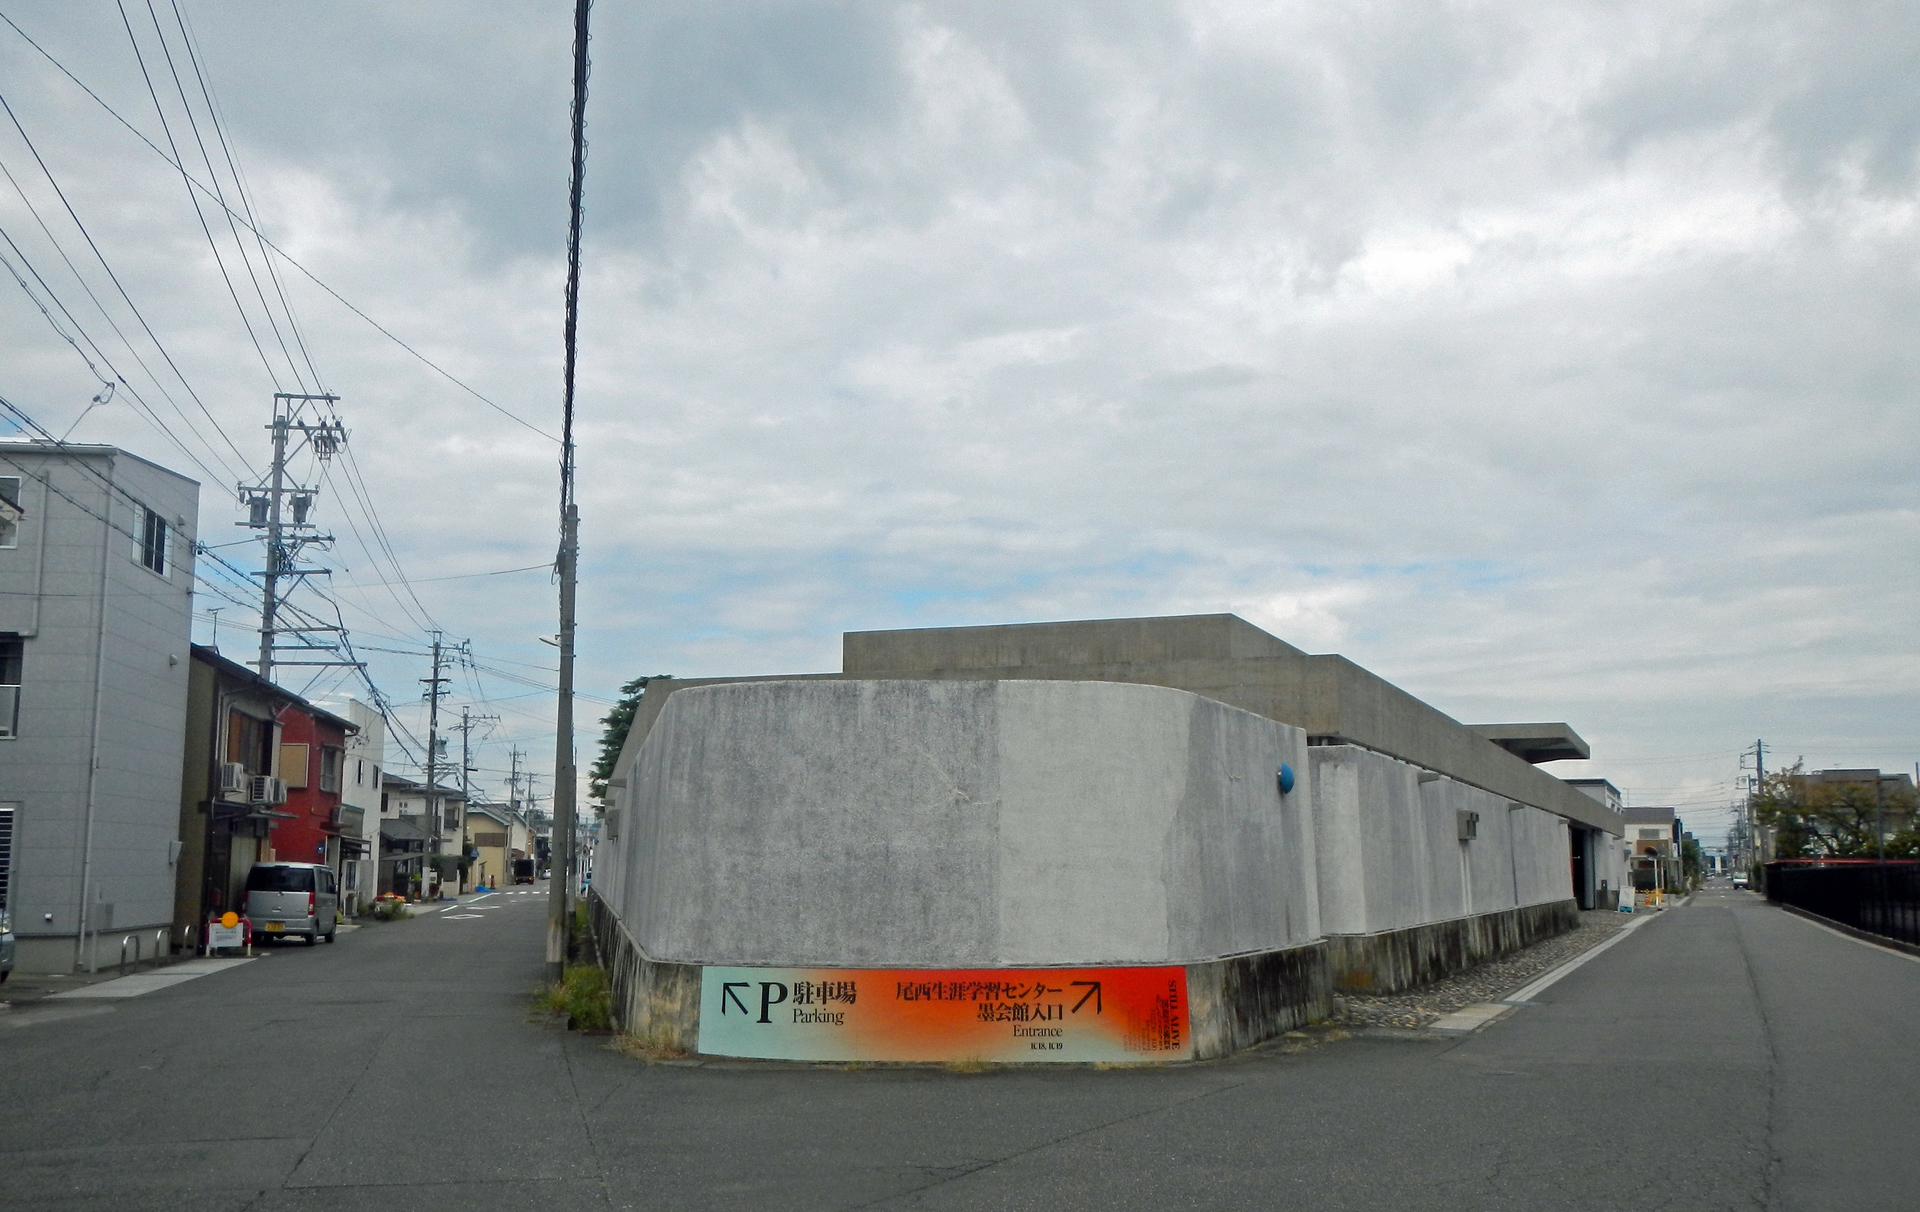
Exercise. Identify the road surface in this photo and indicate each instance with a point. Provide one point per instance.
(1725, 1055)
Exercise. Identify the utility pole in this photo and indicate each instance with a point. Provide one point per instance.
(268, 509)
(563, 755)
(433, 684)
(467, 721)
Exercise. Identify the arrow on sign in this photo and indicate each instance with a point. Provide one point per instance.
(1093, 993)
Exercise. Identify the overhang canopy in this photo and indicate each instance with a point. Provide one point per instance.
(1536, 743)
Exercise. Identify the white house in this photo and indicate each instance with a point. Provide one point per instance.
(96, 600)
(360, 794)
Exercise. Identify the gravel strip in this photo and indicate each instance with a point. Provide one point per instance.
(1489, 982)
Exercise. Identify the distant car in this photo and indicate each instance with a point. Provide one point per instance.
(523, 871)
(292, 898)
(1739, 880)
(6, 945)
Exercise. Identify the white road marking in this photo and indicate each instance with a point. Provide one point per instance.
(1863, 942)
(147, 982)
(463, 916)
(1528, 992)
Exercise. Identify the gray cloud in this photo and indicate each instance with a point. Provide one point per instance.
(1550, 362)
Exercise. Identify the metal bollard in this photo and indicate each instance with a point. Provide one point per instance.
(123, 953)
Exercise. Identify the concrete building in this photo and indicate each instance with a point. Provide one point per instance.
(1185, 794)
(1609, 852)
(1653, 834)
(96, 594)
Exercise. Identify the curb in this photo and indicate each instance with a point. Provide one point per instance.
(1852, 932)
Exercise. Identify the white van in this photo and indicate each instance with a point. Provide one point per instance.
(292, 898)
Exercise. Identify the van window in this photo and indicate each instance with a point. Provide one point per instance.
(280, 879)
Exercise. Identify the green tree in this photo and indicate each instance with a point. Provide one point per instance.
(615, 726)
(1835, 820)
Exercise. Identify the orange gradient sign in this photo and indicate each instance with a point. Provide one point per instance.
(917, 1014)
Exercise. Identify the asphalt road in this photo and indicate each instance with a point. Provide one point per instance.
(1725, 1055)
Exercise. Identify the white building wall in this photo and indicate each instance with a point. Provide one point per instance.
(940, 823)
(360, 771)
(1389, 853)
(75, 590)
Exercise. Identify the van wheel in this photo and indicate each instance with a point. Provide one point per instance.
(313, 939)
(331, 933)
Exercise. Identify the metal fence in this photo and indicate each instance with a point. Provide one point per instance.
(1883, 898)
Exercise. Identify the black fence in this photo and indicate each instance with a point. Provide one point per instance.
(1882, 898)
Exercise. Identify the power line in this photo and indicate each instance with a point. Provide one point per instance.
(247, 221)
(115, 278)
(192, 199)
(226, 472)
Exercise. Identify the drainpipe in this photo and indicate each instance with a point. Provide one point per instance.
(1513, 852)
(80, 954)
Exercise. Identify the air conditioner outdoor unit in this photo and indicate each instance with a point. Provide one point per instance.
(233, 778)
(1469, 825)
(267, 790)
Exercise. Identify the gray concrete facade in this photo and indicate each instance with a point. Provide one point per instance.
(946, 824)
(1085, 794)
(93, 768)
(1224, 657)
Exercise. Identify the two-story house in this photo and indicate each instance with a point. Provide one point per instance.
(421, 833)
(96, 599)
(246, 740)
(360, 790)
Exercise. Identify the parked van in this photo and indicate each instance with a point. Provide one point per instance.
(292, 898)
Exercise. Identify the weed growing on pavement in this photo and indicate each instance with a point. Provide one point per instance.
(972, 1064)
(584, 996)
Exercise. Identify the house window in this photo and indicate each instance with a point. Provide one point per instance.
(1649, 834)
(9, 511)
(12, 660)
(453, 816)
(384, 806)
(153, 542)
(359, 772)
(330, 759)
(250, 742)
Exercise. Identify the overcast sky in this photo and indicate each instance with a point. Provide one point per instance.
(1551, 361)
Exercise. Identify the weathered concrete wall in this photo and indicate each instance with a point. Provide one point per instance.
(1233, 1003)
(1236, 1003)
(1396, 960)
(659, 1003)
(1390, 855)
(946, 824)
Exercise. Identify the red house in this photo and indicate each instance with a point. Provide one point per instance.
(312, 754)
